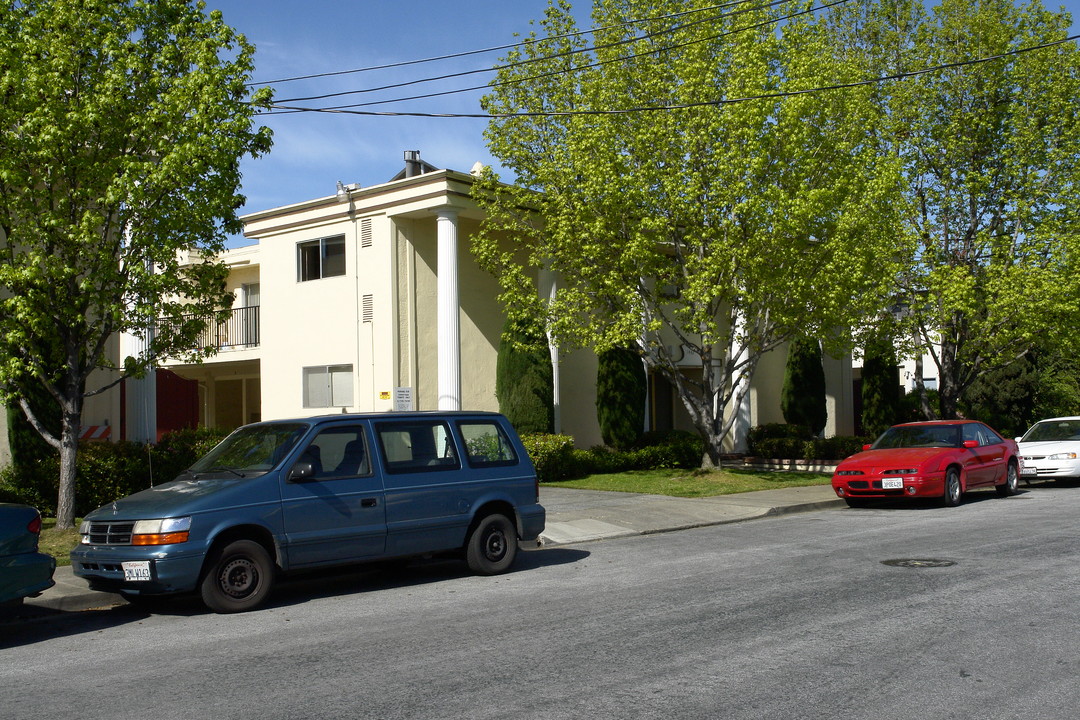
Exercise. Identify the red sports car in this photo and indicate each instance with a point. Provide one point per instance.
(939, 458)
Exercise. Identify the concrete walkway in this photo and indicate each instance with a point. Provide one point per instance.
(573, 516)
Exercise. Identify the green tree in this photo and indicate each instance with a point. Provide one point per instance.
(621, 391)
(524, 378)
(880, 386)
(121, 129)
(802, 396)
(990, 174)
(679, 218)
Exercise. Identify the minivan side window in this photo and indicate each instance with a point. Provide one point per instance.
(339, 452)
(417, 446)
(486, 444)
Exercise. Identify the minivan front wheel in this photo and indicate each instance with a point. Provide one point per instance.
(492, 545)
(238, 578)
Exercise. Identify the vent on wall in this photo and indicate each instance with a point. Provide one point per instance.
(365, 233)
(367, 309)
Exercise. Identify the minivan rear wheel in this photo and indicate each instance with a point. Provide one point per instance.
(238, 577)
(492, 545)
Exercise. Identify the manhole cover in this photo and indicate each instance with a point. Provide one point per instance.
(918, 562)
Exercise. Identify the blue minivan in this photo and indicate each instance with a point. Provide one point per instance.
(314, 492)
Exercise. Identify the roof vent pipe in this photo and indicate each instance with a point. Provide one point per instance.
(412, 163)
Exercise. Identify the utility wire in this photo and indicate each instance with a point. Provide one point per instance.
(496, 48)
(530, 61)
(598, 63)
(654, 108)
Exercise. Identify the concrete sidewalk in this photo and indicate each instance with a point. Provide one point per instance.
(573, 516)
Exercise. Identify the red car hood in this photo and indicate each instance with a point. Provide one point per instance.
(894, 458)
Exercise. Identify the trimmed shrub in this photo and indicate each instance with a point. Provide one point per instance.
(525, 379)
(880, 388)
(670, 449)
(771, 438)
(551, 454)
(621, 389)
(107, 470)
(802, 397)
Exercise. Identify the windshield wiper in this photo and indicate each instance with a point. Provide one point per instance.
(218, 469)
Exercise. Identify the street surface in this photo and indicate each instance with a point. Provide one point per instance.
(789, 617)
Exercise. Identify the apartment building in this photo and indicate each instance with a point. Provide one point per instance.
(369, 299)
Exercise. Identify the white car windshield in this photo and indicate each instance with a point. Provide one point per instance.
(1053, 431)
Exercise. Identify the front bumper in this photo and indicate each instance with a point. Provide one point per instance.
(870, 486)
(1043, 468)
(169, 573)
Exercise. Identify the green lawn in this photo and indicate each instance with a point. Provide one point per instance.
(694, 483)
(58, 543)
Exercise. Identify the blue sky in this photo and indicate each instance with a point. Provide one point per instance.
(312, 151)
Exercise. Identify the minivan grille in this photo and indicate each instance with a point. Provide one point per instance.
(118, 533)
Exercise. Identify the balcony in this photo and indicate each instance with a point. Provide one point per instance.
(240, 331)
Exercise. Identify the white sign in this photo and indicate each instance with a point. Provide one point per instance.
(403, 400)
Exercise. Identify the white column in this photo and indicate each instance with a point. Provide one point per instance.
(448, 312)
(548, 287)
(141, 403)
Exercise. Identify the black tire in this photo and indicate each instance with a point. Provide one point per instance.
(492, 545)
(1012, 481)
(238, 577)
(953, 491)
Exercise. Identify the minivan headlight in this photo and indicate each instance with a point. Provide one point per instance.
(167, 531)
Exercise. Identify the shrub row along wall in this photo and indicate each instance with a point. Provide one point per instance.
(106, 470)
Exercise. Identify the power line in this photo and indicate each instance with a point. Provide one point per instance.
(598, 63)
(467, 53)
(655, 108)
(531, 61)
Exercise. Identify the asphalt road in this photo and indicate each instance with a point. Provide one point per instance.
(789, 617)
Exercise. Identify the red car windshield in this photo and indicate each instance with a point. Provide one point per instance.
(909, 436)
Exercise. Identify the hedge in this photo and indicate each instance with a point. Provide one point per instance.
(107, 470)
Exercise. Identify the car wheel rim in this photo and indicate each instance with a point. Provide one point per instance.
(239, 578)
(495, 546)
(1013, 479)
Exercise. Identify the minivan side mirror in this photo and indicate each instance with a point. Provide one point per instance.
(301, 471)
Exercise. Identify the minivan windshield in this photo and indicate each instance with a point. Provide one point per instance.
(253, 448)
(905, 436)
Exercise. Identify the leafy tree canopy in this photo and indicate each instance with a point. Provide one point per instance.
(989, 174)
(678, 217)
(122, 123)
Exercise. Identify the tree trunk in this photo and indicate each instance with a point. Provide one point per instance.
(69, 447)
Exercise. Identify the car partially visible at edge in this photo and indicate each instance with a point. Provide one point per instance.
(1051, 449)
(934, 459)
(24, 572)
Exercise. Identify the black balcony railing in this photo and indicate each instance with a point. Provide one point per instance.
(241, 330)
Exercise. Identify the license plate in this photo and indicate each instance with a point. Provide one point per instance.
(892, 483)
(1028, 471)
(136, 571)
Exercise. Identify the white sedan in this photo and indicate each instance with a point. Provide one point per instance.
(1051, 449)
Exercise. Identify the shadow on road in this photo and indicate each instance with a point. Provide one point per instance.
(970, 498)
(30, 624)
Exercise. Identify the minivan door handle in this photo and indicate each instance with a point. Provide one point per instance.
(369, 502)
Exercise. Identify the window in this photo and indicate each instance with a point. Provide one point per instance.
(486, 444)
(339, 452)
(328, 386)
(321, 258)
(417, 446)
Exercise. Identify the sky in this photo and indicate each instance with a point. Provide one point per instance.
(313, 151)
